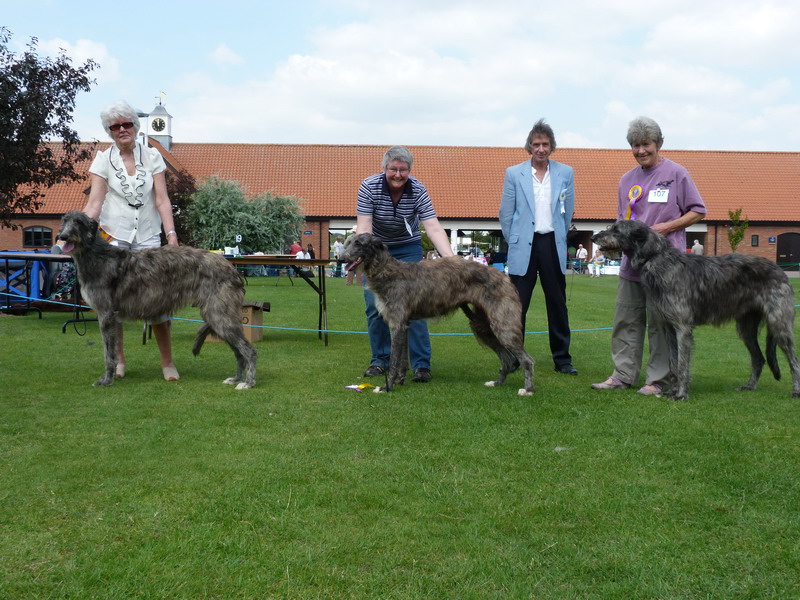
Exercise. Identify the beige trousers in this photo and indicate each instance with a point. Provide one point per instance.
(631, 318)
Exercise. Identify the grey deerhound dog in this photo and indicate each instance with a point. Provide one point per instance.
(120, 284)
(690, 290)
(435, 288)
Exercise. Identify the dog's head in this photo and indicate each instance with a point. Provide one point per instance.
(621, 235)
(634, 238)
(361, 249)
(77, 231)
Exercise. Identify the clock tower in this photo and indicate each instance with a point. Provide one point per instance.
(159, 125)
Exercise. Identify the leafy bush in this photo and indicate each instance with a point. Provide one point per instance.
(220, 210)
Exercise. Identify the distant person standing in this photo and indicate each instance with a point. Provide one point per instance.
(338, 250)
(580, 256)
(535, 215)
(697, 248)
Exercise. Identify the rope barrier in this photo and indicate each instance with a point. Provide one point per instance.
(310, 330)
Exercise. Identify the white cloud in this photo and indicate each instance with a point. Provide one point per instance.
(716, 74)
(731, 34)
(223, 56)
(83, 50)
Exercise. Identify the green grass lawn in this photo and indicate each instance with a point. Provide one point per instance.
(300, 488)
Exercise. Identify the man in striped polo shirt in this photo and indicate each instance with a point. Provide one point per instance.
(391, 206)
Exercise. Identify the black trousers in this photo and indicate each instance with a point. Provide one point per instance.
(545, 265)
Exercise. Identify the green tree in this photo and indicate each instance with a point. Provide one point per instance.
(181, 187)
(37, 98)
(737, 228)
(220, 210)
(280, 221)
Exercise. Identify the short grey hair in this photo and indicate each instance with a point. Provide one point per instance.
(119, 110)
(540, 128)
(643, 130)
(400, 153)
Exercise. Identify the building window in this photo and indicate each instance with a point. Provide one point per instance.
(37, 237)
(754, 240)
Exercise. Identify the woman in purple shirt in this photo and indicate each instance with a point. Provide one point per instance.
(661, 194)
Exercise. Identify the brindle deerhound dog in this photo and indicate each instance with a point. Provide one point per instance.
(435, 288)
(120, 284)
(690, 290)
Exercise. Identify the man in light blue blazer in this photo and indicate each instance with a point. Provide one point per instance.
(535, 215)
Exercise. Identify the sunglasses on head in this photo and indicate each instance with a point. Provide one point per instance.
(118, 126)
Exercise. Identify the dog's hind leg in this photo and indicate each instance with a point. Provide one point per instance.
(479, 323)
(504, 336)
(527, 362)
(229, 329)
(245, 364)
(520, 359)
(511, 358)
(109, 331)
(747, 328)
(780, 331)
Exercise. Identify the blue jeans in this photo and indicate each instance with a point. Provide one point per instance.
(380, 340)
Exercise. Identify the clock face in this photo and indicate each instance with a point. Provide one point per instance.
(159, 124)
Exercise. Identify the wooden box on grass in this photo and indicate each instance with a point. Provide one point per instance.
(253, 315)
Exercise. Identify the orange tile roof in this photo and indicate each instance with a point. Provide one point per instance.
(466, 182)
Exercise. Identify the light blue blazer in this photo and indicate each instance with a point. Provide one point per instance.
(517, 214)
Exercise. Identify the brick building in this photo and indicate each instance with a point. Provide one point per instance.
(465, 184)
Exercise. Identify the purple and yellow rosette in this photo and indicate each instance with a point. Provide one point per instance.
(633, 195)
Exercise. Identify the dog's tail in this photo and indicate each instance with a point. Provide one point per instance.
(202, 334)
(468, 311)
(772, 357)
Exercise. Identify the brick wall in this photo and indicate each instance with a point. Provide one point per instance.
(11, 239)
(717, 240)
(317, 238)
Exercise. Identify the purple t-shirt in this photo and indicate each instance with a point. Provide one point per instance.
(657, 195)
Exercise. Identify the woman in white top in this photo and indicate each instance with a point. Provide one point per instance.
(129, 199)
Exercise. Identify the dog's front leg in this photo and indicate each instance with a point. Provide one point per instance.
(398, 362)
(680, 370)
(109, 332)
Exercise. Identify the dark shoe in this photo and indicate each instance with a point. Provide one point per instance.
(422, 375)
(567, 370)
(374, 371)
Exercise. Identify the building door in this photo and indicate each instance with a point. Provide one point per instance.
(789, 251)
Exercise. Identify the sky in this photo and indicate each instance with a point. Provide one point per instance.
(716, 75)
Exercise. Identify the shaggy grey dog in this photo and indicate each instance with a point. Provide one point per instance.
(690, 290)
(434, 288)
(120, 284)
